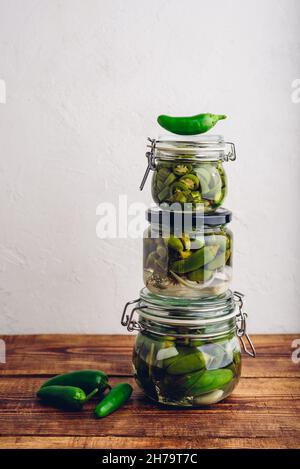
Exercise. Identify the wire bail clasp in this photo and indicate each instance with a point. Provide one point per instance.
(241, 326)
(231, 155)
(128, 320)
(151, 161)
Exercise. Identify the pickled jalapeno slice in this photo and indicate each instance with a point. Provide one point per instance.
(196, 183)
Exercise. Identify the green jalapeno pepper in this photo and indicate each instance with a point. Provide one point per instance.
(180, 186)
(186, 241)
(177, 371)
(191, 125)
(188, 360)
(163, 194)
(175, 243)
(191, 181)
(160, 185)
(198, 383)
(163, 173)
(118, 395)
(87, 380)
(180, 197)
(179, 386)
(65, 397)
(181, 169)
(217, 263)
(195, 198)
(170, 179)
(196, 260)
(201, 275)
(211, 380)
(197, 183)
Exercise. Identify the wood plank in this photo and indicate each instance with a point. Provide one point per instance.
(263, 411)
(53, 354)
(263, 408)
(95, 442)
(12, 388)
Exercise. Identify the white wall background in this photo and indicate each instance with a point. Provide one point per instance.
(85, 81)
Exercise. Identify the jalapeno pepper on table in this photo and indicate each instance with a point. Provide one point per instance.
(70, 391)
(65, 397)
(87, 380)
(117, 396)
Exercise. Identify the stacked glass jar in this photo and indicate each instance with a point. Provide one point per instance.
(190, 324)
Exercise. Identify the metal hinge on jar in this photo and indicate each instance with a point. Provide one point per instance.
(231, 155)
(241, 326)
(151, 162)
(128, 320)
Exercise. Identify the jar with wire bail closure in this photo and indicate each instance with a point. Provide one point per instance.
(188, 353)
(187, 254)
(189, 171)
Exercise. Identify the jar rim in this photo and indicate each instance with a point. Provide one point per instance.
(205, 139)
(202, 312)
(188, 148)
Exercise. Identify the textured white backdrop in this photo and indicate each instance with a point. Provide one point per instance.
(85, 81)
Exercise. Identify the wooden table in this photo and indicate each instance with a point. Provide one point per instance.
(263, 412)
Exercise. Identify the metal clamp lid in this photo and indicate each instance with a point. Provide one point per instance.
(150, 155)
(132, 324)
(127, 319)
(151, 162)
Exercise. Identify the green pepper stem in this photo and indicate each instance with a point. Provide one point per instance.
(88, 397)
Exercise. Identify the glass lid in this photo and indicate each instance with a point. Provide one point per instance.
(171, 145)
(187, 311)
(208, 317)
(191, 149)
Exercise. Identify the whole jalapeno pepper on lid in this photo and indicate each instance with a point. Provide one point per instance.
(118, 395)
(65, 397)
(87, 380)
(192, 125)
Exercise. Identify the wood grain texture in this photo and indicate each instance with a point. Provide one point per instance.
(263, 411)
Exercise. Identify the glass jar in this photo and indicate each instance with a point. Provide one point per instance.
(187, 254)
(187, 353)
(189, 171)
